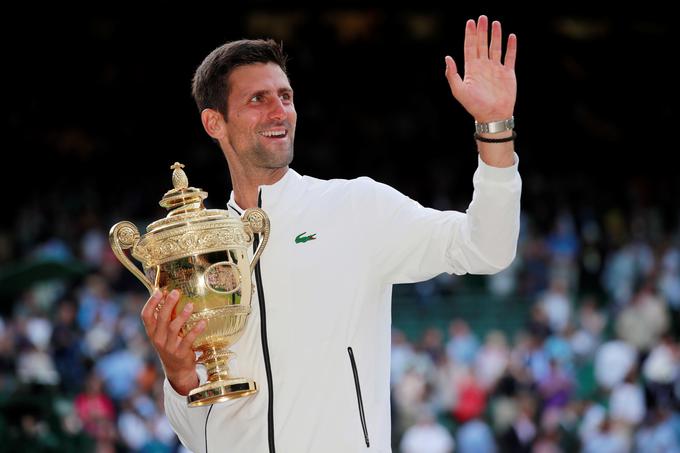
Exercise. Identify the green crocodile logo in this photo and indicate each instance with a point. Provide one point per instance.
(300, 239)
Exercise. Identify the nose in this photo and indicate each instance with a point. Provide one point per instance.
(278, 110)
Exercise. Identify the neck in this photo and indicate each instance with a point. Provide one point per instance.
(246, 184)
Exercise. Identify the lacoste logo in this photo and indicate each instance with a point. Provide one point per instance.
(300, 239)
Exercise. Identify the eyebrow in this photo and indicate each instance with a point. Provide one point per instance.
(265, 92)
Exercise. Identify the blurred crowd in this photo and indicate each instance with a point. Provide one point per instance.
(594, 369)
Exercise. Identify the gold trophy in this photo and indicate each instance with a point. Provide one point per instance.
(204, 254)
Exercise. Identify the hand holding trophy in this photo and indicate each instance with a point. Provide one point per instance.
(200, 257)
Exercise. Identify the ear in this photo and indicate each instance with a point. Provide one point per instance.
(213, 123)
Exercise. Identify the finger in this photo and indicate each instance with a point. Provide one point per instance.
(511, 51)
(470, 45)
(169, 303)
(148, 311)
(483, 37)
(496, 42)
(188, 340)
(455, 82)
(176, 324)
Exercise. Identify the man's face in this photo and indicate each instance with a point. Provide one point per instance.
(261, 116)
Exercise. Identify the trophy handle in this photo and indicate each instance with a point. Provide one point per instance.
(122, 236)
(258, 221)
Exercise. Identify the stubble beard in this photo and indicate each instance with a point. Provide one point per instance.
(265, 158)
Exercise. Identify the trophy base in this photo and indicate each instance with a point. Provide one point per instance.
(219, 391)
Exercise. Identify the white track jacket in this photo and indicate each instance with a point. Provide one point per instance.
(317, 341)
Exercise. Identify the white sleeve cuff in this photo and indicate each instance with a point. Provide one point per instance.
(172, 393)
(202, 379)
(497, 174)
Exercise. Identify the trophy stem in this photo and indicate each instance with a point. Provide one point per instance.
(220, 386)
(216, 358)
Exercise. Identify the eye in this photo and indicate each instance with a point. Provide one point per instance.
(256, 98)
(287, 97)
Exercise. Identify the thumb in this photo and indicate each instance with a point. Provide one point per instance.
(451, 73)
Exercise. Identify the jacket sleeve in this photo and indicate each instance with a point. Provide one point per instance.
(411, 243)
(187, 422)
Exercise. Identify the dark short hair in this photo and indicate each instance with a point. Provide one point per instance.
(210, 87)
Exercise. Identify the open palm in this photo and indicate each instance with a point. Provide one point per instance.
(489, 88)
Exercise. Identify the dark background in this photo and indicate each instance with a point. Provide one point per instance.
(97, 108)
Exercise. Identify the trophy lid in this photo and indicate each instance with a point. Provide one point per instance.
(184, 204)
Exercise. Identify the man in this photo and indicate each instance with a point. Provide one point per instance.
(317, 341)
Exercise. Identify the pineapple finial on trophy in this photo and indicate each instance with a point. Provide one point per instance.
(179, 178)
(182, 198)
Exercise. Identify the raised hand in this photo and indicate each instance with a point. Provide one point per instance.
(174, 350)
(489, 88)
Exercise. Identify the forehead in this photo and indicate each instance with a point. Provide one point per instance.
(257, 77)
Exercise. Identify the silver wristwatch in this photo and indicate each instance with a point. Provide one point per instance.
(495, 126)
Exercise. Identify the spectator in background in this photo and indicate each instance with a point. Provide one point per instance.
(463, 344)
(613, 361)
(661, 370)
(625, 266)
(536, 263)
(644, 318)
(96, 298)
(556, 305)
(475, 436)
(556, 387)
(66, 346)
(627, 402)
(657, 434)
(589, 330)
(522, 432)
(432, 344)
(538, 325)
(563, 246)
(606, 439)
(591, 255)
(409, 396)
(119, 370)
(427, 436)
(669, 282)
(471, 400)
(96, 411)
(492, 360)
(402, 355)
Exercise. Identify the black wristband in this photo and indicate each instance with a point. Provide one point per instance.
(496, 140)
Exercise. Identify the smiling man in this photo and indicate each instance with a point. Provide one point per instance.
(317, 341)
(256, 126)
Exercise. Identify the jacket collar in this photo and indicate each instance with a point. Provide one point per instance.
(271, 193)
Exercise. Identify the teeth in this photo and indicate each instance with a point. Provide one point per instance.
(273, 133)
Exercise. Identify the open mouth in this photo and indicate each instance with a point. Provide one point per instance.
(276, 134)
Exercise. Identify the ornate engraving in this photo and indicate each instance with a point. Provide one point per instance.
(191, 239)
(256, 219)
(219, 313)
(127, 234)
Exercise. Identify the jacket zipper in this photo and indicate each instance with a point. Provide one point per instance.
(263, 333)
(265, 344)
(359, 399)
(206, 428)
